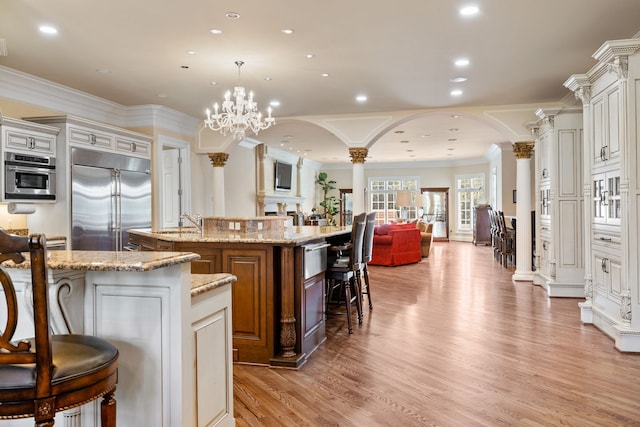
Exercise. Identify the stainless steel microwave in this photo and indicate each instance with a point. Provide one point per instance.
(29, 177)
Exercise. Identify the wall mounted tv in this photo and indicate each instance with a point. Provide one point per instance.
(283, 173)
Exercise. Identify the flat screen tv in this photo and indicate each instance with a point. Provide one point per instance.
(283, 175)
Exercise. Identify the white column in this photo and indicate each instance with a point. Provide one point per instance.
(581, 85)
(358, 156)
(523, 152)
(218, 161)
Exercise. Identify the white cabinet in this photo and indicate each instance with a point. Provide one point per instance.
(175, 366)
(25, 137)
(78, 132)
(606, 117)
(559, 230)
(88, 137)
(610, 93)
(88, 134)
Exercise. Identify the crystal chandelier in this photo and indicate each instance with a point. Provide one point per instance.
(238, 114)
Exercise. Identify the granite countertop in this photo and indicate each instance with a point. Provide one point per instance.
(201, 283)
(109, 260)
(291, 235)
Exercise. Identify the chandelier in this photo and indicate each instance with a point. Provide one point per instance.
(237, 114)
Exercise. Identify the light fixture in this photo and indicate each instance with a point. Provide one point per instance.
(238, 114)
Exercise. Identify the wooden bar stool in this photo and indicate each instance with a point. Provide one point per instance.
(49, 373)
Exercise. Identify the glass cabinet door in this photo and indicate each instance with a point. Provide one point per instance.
(346, 206)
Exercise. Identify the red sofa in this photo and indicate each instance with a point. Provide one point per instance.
(396, 244)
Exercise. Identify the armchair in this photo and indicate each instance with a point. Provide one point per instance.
(426, 237)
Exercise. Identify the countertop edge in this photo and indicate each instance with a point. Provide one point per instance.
(292, 236)
(108, 260)
(202, 283)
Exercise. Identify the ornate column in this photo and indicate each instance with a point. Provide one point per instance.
(581, 86)
(358, 156)
(218, 161)
(523, 151)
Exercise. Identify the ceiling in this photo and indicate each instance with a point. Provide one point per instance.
(399, 54)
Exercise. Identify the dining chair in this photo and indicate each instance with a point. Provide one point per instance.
(48, 373)
(342, 274)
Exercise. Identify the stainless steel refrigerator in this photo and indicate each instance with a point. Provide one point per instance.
(110, 194)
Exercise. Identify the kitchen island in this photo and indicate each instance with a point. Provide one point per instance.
(168, 325)
(278, 299)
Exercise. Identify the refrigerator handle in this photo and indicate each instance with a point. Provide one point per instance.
(118, 210)
(114, 222)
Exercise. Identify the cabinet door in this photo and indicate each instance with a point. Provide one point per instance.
(606, 200)
(133, 147)
(18, 140)
(607, 275)
(606, 129)
(253, 322)
(83, 136)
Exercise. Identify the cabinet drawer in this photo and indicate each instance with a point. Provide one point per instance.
(88, 137)
(30, 142)
(133, 147)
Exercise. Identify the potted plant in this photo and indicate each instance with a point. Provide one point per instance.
(329, 203)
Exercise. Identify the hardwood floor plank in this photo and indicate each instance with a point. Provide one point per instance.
(451, 341)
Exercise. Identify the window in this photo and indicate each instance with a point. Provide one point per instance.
(383, 196)
(469, 191)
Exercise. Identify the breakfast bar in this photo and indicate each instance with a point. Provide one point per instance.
(172, 330)
(278, 299)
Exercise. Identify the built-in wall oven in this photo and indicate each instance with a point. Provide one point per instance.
(29, 177)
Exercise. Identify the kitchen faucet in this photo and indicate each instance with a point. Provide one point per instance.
(195, 219)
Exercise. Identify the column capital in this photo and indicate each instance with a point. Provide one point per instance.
(358, 154)
(218, 160)
(523, 150)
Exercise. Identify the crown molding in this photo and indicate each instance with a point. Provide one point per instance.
(27, 89)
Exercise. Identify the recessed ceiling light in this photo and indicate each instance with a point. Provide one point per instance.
(215, 31)
(275, 103)
(426, 135)
(287, 31)
(184, 67)
(458, 80)
(190, 52)
(232, 15)
(268, 79)
(450, 149)
(213, 83)
(48, 29)
(409, 151)
(454, 116)
(398, 131)
(361, 98)
(462, 62)
(309, 55)
(469, 10)
(325, 74)
(103, 71)
(452, 139)
(404, 141)
(287, 136)
(456, 92)
(454, 130)
(163, 95)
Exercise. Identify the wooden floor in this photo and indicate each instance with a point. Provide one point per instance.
(451, 341)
